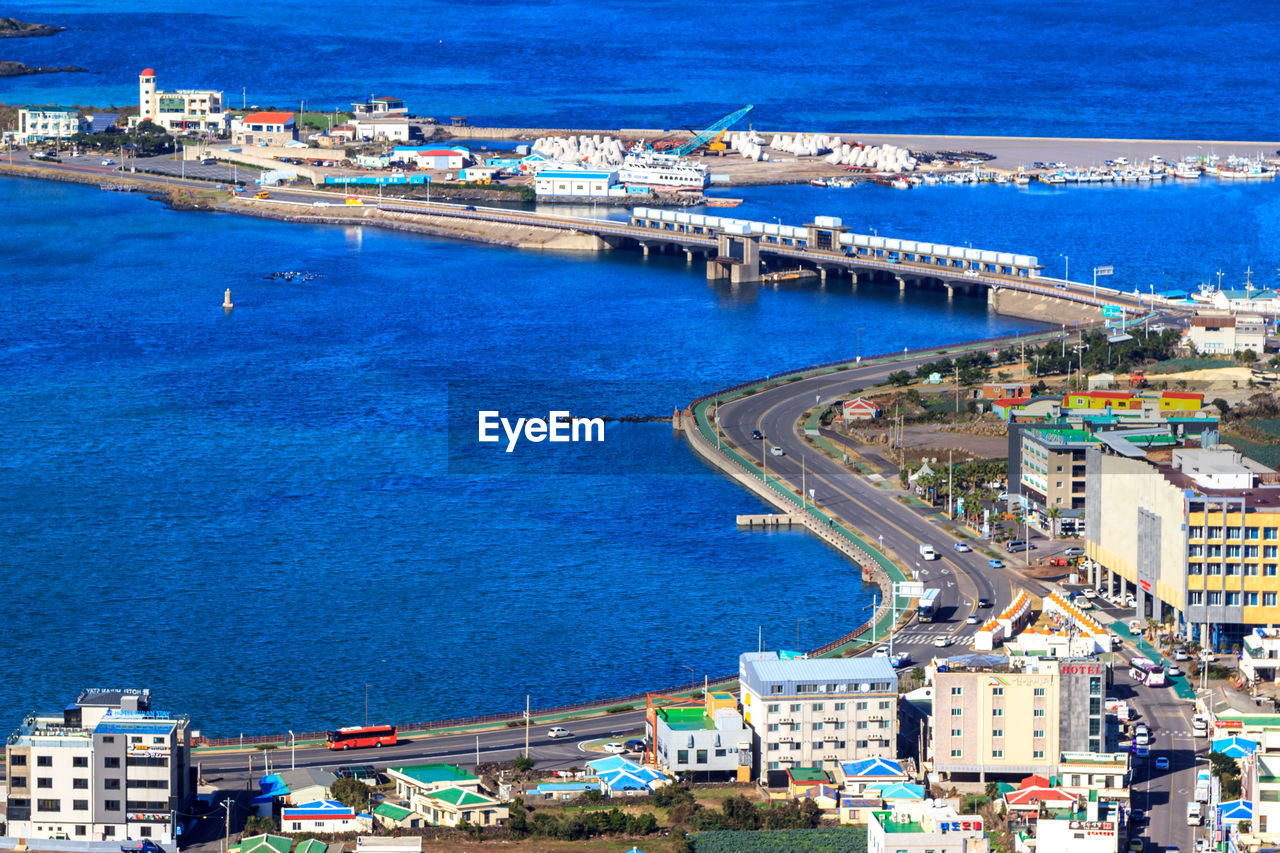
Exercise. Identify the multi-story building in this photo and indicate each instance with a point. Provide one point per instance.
(925, 828)
(43, 124)
(1260, 655)
(379, 107)
(107, 767)
(818, 712)
(1194, 535)
(705, 740)
(1221, 333)
(181, 111)
(1052, 475)
(992, 715)
(264, 128)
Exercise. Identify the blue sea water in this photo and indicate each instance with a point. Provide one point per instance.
(257, 514)
(1073, 68)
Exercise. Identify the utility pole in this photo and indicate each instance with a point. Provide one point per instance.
(957, 371)
(803, 505)
(526, 725)
(951, 482)
(226, 835)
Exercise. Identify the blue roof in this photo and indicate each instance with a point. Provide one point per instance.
(101, 121)
(1236, 810)
(139, 728)
(902, 791)
(612, 763)
(626, 780)
(872, 767)
(1235, 746)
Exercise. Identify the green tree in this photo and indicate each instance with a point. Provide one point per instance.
(1055, 516)
(258, 824)
(899, 378)
(1248, 357)
(523, 763)
(352, 793)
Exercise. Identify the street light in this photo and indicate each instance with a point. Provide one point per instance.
(292, 750)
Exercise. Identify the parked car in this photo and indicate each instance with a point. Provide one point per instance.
(1059, 561)
(1014, 546)
(757, 434)
(146, 845)
(1074, 551)
(962, 548)
(635, 745)
(557, 732)
(1207, 655)
(1090, 593)
(1181, 654)
(995, 564)
(777, 451)
(1136, 845)
(1173, 671)
(614, 747)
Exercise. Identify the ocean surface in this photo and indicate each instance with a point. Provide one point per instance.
(257, 514)
(1074, 68)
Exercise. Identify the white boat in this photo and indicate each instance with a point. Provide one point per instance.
(1021, 179)
(931, 180)
(1187, 172)
(654, 169)
(900, 184)
(1057, 178)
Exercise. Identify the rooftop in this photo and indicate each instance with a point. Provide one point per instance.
(392, 811)
(431, 774)
(844, 674)
(460, 797)
(686, 719)
(808, 774)
(267, 117)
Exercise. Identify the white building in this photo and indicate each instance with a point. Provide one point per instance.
(268, 128)
(324, 817)
(819, 712)
(574, 183)
(390, 128)
(1224, 334)
(42, 124)
(181, 111)
(1260, 655)
(927, 828)
(106, 768)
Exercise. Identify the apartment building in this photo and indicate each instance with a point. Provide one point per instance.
(1194, 535)
(1220, 333)
(982, 705)
(107, 767)
(819, 712)
(179, 111)
(42, 124)
(707, 740)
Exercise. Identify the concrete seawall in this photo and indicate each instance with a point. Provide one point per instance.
(1041, 307)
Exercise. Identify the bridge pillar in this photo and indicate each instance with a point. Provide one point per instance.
(737, 258)
(644, 247)
(822, 274)
(950, 290)
(688, 256)
(902, 283)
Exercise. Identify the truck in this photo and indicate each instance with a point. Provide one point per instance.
(1202, 786)
(927, 552)
(1195, 813)
(927, 605)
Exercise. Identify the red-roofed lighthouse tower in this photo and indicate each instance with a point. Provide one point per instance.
(147, 95)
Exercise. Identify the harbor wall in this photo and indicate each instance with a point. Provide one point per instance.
(1041, 307)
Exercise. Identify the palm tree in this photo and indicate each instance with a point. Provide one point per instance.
(1054, 514)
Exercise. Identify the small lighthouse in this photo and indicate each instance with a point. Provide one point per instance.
(227, 304)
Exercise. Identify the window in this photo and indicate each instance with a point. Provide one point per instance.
(80, 829)
(1251, 569)
(1039, 691)
(795, 709)
(773, 709)
(997, 732)
(1269, 570)
(48, 805)
(1233, 532)
(839, 706)
(862, 724)
(18, 782)
(1233, 599)
(957, 732)
(1215, 533)
(1038, 712)
(111, 784)
(957, 712)
(997, 712)
(1037, 753)
(108, 831)
(1251, 533)
(44, 782)
(1271, 533)
(1251, 550)
(700, 757)
(997, 753)
(44, 761)
(839, 726)
(1195, 597)
(1268, 599)
(1251, 599)
(80, 761)
(817, 727)
(997, 691)
(1269, 551)
(80, 805)
(957, 691)
(80, 784)
(1195, 532)
(17, 761)
(1037, 733)
(818, 706)
(884, 706)
(111, 761)
(1215, 599)
(956, 753)
(860, 706)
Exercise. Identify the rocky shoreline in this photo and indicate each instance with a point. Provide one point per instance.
(9, 68)
(12, 28)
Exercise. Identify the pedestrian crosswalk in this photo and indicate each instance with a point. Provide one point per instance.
(921, 636)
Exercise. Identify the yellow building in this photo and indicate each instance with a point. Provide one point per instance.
(1180, 402)
(1195, 539)
(1102, 400)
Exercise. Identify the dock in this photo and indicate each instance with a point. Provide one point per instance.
(766, 520)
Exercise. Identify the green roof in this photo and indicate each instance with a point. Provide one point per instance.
(431, 774)
(311, 846)
(808, 774)
(265, 844)
(687, 719)
(385, 810)
(460, 797)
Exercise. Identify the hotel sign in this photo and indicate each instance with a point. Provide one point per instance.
(1093, 828)
(966, 825)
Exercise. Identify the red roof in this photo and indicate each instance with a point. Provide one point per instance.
(1036, 794)
(268, 118)
(438, 152)
(1182, 395)
(1006, 402)
(1035, 781)
(148, 72)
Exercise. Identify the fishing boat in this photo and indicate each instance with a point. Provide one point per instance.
(1021, 179)
(723, 202)
(900, 184)
(653, 169)
(1186, 172)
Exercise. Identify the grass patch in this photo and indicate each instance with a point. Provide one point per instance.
(1178, 365)
(321, 121)
(823, 840)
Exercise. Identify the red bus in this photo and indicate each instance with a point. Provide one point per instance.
(354, 737)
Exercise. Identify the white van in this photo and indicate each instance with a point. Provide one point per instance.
(1195, 813)
(1136, 626)
(927, 552)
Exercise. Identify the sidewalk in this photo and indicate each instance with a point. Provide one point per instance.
(1179, 684)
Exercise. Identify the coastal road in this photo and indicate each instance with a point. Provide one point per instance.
(1163, 794)
(963, 578)
(230, 770)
